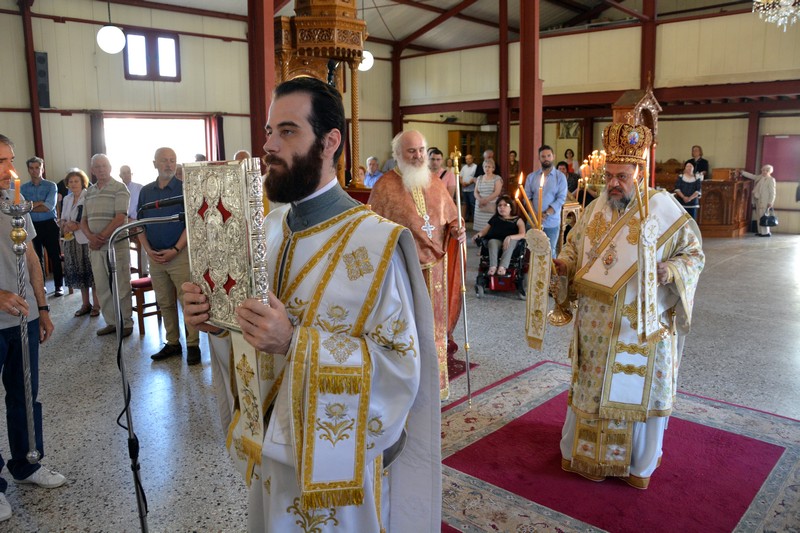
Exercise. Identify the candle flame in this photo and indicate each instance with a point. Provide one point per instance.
(521, 176)
(13, 174)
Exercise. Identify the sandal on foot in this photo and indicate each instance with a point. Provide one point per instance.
(95, 311)
(492, 270)
(501, 271)
(85, 309)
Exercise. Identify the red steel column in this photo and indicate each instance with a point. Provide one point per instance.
(261, 52)
(33, 86)
(504, 125)
(753, 119)
(647, 68)
(530, 91)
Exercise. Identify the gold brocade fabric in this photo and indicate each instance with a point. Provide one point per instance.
(436, 281)
(597, 449)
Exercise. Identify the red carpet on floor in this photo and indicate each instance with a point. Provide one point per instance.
(706, 482)
(457, 368)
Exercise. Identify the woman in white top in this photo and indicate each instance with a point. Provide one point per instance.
(77, 268)
(763, 194)
(487, 189)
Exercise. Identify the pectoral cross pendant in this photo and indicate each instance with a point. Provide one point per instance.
(427, 228)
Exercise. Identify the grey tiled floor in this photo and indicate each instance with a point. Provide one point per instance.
(743, 350)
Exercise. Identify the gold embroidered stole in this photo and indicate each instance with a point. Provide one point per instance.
(538, 285)
(330, 369)
(603, 441)
(629, 367)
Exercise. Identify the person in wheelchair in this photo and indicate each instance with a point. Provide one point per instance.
(504, 229)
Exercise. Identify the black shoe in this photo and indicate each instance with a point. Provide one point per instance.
(168, 350)
(192, 355)
(58, 293)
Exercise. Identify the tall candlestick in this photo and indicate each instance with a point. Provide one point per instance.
(541, 189)
(646, 185)
(524, 211)
(17, 197)
(527, 200)
(638, 193)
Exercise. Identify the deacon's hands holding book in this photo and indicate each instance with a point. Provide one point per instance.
(195, 309)
(265, 327)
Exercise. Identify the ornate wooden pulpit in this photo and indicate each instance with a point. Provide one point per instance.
(321, 35)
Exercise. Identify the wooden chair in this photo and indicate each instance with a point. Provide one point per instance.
(140, 287)
(141, 259)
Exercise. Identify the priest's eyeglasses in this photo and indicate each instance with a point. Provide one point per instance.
(621, 177)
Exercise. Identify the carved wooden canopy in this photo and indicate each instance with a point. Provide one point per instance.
(638, 107)
(319, 31)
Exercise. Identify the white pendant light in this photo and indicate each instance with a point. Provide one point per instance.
(110, 38)
(367, 61)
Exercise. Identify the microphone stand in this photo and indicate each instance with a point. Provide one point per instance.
(133, 440)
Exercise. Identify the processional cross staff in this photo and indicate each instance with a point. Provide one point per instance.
(17, 211)
(463, 249)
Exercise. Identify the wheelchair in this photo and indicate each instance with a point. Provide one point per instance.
(512, 280)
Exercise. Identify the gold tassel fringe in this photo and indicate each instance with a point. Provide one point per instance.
(339, 384)
(595, 294)
(596, 469)
(332, 498)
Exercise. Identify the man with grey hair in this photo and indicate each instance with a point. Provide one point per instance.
(134, 188)
(373, 173)
(165, 245)
(409, 196)
(37, 313)
(106, 209)
(241, 155)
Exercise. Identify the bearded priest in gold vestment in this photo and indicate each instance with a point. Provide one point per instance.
(408, 196)
(634, 265)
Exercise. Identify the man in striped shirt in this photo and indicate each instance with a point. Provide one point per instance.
(106, 209)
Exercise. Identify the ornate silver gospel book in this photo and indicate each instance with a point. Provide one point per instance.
(224, 227)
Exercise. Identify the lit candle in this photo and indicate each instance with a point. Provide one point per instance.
(527, 200)
(646, 185)
(541, 188)
(524, 211)
(638, 192)
(17, 198)
(584, 182)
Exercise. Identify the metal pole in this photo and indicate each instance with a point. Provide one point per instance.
(463, 249)
(133, 440)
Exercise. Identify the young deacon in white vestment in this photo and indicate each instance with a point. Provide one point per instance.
(635, 276)
(346, 359)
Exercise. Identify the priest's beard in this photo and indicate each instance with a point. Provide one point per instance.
(618, 203)
(284, 184)
(414, 176)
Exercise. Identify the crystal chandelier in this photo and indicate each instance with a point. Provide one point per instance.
(781, 12)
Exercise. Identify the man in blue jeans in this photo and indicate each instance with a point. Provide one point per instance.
(40, 327)
(554, 194)
(44, 194)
